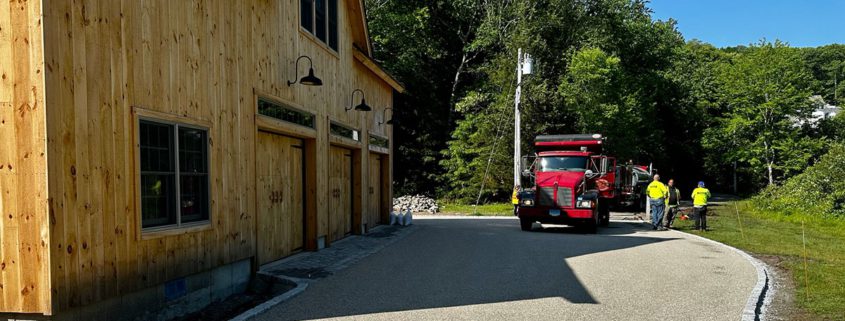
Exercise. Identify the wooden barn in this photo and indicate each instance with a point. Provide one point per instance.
(156, 153)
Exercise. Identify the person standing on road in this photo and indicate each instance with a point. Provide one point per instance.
(657, 192)
(700, 197)
(672, 203)
(515, 199)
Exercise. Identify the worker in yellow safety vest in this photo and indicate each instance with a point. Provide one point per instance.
(657, 193)
(515, 199)
(700, 197)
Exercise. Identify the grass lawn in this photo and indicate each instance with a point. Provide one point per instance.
(492, 209)
(821, 293)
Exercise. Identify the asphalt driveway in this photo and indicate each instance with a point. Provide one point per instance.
(487, 269)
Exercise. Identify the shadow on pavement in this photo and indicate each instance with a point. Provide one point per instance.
(459, 262)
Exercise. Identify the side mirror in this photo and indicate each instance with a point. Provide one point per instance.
(526, 173)
(604, 165)
(527, 163)
(589, 173)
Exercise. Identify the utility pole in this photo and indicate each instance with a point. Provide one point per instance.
(523, 67)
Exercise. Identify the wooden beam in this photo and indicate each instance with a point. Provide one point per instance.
(373, 66)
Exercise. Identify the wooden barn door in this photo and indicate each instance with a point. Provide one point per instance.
(340, 193)
(281, 212)
(375, 192)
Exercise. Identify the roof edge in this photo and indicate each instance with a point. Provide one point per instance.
(377, 69)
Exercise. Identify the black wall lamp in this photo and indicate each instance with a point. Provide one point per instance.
(383, 113)
(360, 107)
(309, 80)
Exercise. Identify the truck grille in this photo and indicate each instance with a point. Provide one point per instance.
(546, 195)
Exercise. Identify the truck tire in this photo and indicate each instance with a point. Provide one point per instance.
(604, 214)
(525, 224)
(592, 227)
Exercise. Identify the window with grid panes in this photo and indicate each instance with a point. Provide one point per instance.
(174, 174)
(319, 17)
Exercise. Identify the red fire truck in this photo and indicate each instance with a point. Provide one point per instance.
(569, 181)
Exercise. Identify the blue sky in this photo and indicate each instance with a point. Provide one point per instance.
(725, 23)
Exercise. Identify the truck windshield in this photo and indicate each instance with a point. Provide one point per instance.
(562, 163)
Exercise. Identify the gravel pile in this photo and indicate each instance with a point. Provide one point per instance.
(416, 203)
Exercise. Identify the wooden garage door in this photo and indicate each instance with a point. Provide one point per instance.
(375, 192)
(340, 193)
(281, 212)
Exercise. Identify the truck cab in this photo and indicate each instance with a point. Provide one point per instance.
(568, 181)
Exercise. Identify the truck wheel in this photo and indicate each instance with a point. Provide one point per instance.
(525, 224)
(592, 227)
(604, 214)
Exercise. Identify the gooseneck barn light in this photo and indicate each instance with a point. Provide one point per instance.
(309, 80)
(383, 113)
(360, 107)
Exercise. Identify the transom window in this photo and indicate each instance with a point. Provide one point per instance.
(284, 113)
(174, 174)
(343, 131)
(379, 141)
(319, 17)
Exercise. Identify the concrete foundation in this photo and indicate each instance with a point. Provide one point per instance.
(166, 301)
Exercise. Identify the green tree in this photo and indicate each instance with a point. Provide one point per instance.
(433, 48)
(600, 66)
(593, 80)
(827, 64)
(764, 89)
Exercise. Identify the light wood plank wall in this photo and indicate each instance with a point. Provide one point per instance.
(201, 60)
(24, 230)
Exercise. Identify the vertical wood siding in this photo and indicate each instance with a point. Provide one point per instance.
(24, 259)
(200, 60)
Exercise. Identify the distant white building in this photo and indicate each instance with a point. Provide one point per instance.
(823, 111)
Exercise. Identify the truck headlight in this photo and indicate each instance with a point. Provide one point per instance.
(528, 202)
(584, 204)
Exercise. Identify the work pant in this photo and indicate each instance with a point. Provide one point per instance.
(670, 215)
(657, 207)
(515, 209)
(701, 218)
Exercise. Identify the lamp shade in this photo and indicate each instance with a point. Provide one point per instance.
(363, 106)
(311, 80)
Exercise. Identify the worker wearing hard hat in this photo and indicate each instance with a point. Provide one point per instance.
(657, 193)
(700, 197)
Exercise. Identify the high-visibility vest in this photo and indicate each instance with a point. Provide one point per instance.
(657, 190)
(673, 190)
(700, 196)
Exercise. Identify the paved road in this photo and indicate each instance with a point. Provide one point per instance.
(487, 269)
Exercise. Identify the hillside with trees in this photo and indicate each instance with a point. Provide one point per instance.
(695, 111)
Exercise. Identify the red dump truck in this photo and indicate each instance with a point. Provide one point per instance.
(570, 181)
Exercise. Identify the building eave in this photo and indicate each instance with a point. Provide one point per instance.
(376, 69)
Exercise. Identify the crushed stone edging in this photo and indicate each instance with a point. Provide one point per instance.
(763, 292)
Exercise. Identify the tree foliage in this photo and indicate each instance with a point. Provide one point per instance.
(764, 90)
(601, 66)
(820, 189)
